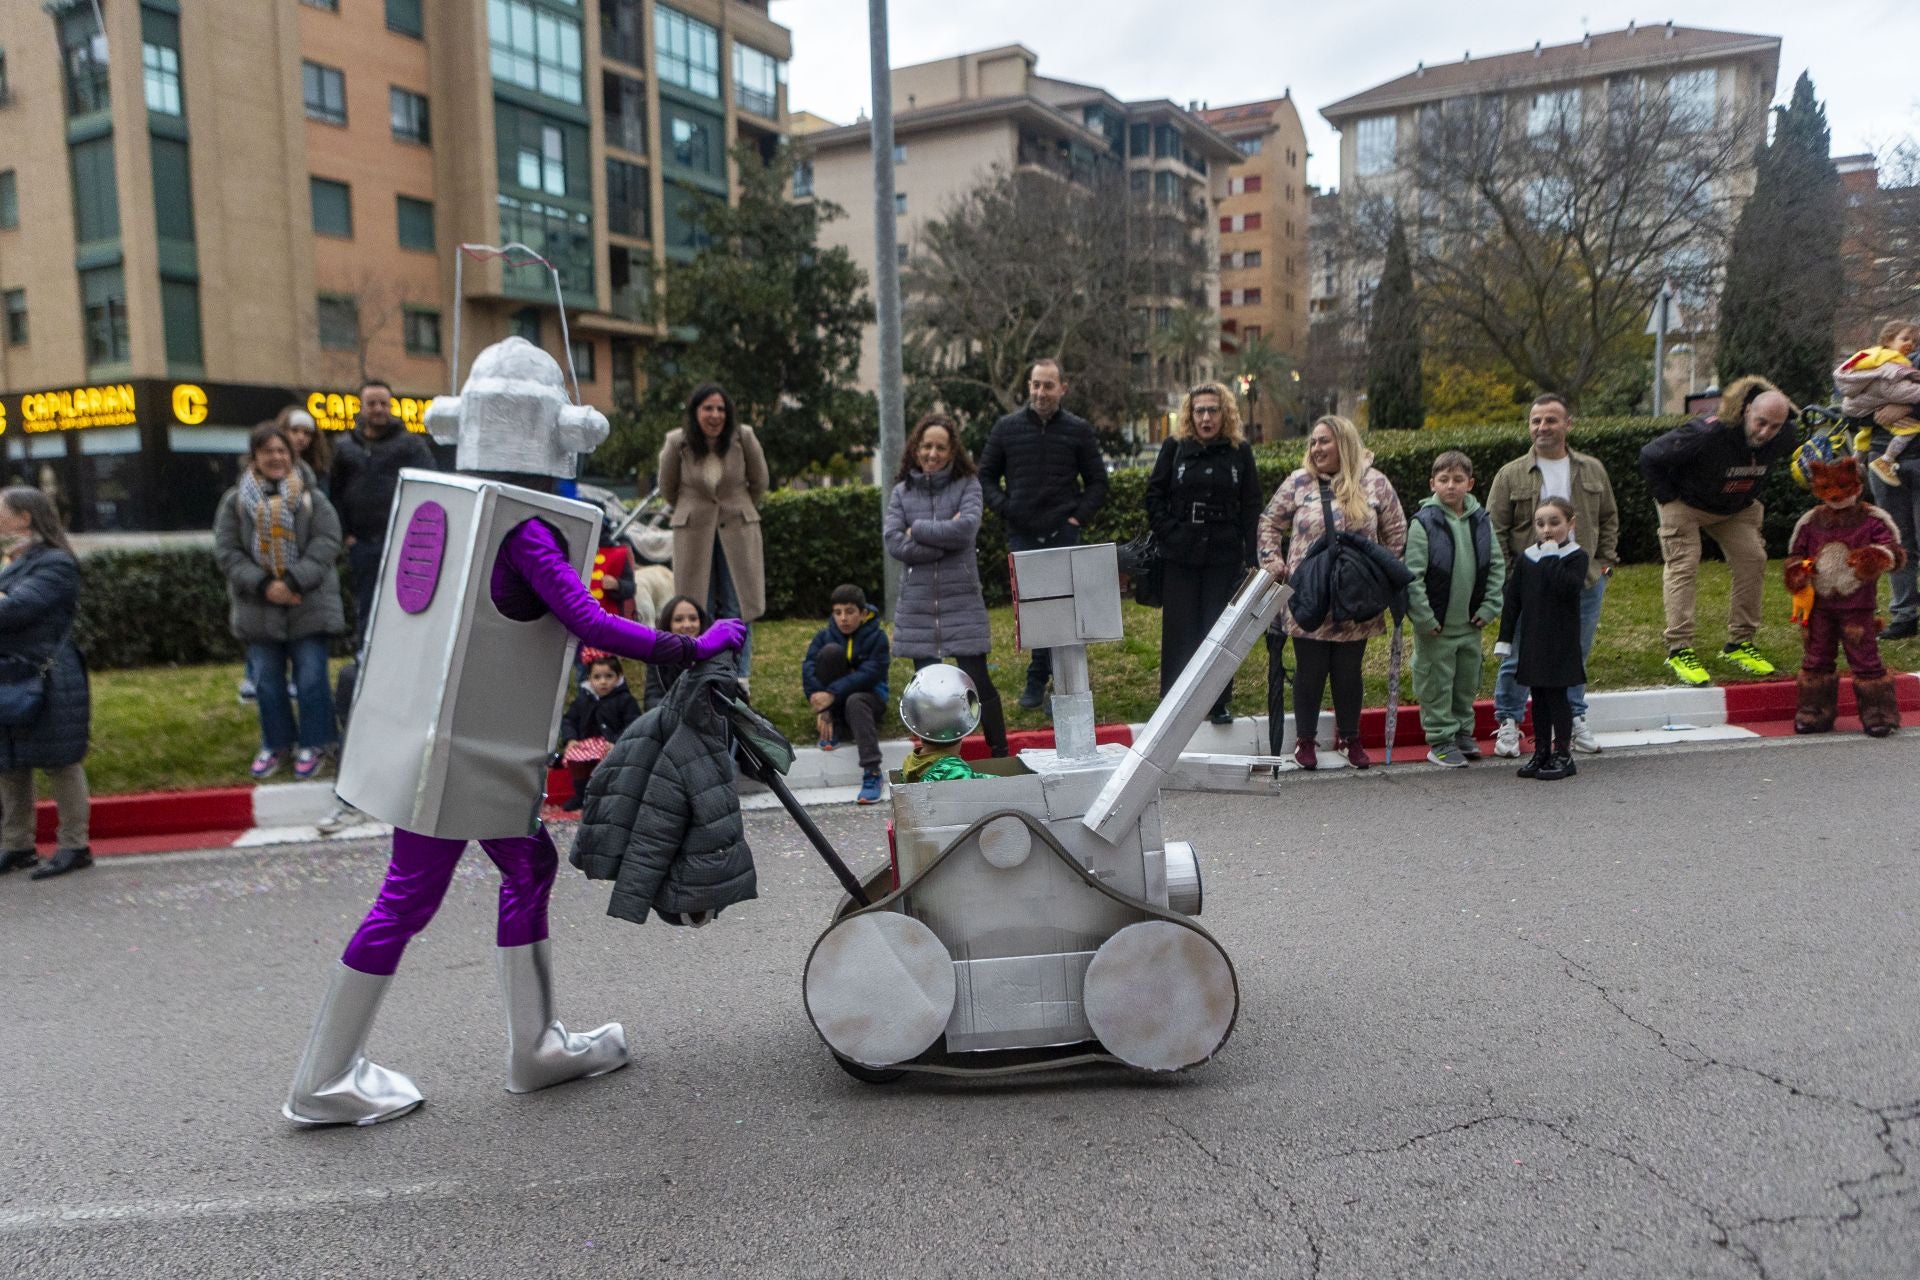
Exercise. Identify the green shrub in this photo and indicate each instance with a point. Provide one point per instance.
(142, 608)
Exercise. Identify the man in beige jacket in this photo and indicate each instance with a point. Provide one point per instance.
(1551, 469)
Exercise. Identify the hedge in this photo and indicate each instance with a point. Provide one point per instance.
(142, 608)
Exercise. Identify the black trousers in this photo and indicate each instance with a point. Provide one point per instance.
(1552, 721)
(858, 714)
(1192, 598)
(993, 720)
(1317, 661)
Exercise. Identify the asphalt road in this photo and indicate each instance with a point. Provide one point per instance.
(1660, 1020)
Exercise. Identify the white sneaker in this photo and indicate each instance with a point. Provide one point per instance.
(342, 815)
(1507, 741)
(1583, 739)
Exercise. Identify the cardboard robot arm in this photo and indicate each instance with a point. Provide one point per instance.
(581, 428)
(534, 552)
(443, 419)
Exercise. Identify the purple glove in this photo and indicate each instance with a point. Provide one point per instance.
(727, 633)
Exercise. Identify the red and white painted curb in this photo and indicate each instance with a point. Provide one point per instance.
(286, 813)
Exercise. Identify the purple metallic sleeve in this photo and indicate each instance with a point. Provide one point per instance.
(534, 555)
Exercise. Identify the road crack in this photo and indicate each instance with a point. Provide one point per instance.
(1301, 1216)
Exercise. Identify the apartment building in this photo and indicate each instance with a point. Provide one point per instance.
(1264, 223)
(1720, 80)
(210, 210)
(958, 119)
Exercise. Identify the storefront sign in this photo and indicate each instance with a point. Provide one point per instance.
(189, 404)
(336, 412)
(114, 405)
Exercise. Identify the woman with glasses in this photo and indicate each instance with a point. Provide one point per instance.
(1203, 505)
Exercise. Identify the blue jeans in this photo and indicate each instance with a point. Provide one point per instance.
(723, 601)
(1040, 666)
(267, 662)
(1903, 504)
(1510, 696)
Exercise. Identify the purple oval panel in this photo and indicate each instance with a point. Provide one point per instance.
(421, 550)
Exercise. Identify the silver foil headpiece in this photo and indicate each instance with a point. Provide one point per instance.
(940, 704)
(513, 415)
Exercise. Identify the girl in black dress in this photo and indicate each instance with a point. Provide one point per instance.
(1543, 611)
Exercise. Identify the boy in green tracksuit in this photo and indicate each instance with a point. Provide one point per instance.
(1458, 573)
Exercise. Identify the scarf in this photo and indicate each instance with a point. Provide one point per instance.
(273, 511)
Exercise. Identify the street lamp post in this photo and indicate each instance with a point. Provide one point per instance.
(886, 276)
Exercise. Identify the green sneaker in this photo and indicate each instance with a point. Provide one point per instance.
(1685, 663)
(1747, 658)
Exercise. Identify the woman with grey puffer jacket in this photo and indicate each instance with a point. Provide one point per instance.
(931, 526)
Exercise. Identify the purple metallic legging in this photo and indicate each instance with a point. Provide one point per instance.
(418, 877)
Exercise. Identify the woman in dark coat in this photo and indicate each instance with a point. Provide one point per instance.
(278, 543)
(1203, 505)
(39, 598)
(931, 527)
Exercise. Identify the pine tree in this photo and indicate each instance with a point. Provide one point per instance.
(1784, 274)
(1395, 397)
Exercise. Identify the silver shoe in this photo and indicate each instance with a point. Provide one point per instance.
(340, 816)
(336, 1084)
(540, 1051)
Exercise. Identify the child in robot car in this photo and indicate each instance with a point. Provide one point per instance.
(599, 715)
(1542, 610)
(940, 707)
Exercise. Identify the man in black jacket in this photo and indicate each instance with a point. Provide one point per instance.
(366, 471)
(1706, 477)
(1042, 472)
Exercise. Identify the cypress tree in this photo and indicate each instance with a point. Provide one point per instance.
(1395, 396)
(1784, 273)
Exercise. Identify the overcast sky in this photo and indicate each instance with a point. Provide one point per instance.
(1220, 51)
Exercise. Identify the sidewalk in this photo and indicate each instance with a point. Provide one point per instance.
(284, 813)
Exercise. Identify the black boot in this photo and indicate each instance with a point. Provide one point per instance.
(1034, 694)
(63, 861)
(18, 860)
(1541, 756)
(1558, 765)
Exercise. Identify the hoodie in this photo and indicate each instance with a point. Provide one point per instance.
(1440, 594)
(865, 654)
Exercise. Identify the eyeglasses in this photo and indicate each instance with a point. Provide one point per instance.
(1206, 411)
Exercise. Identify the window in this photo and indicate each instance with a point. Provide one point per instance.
(803, 178)
(96, 193)
(627, 273)
(581, 349)
(332, 207)
(6, 94)
(1249, 333)
(103, 299)
(180, 317)
(9, 200)
(83, 57)
(535, 49)
(325, 91)
(629, 211)
(621, 32)
(1691, 99)
(624, 102)
(543, 167)
(404, 16)
(1250, 297)
(331, 6)
(160, 61)
(1243, 186)
(1556, 111)
(172, 190)
(339, 321)
(16, 300)
(899, 202)
(421, 330)
(899, 153)
(1249, 146)
(1240, 222)
(414, 223)
(693, 139)
(1251, 258)
(1374, 140)
(526, 324)
(1166, 187)
(900, 254)
(756, 82)
(562, 236)
(1139, 139)
(408, 112)
(688, 51)
(1166, 141)
(682, 230)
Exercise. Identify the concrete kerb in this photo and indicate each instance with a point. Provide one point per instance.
(285, 813)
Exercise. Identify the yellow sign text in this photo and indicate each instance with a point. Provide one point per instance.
(334, 412)
(189, 404)
(109, 406)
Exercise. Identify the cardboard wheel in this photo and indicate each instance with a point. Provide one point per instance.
(1161, 996)
(879, 988)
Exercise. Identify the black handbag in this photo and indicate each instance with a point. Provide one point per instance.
(23, 691)
(1140, 561)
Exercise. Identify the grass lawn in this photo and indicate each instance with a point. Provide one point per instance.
(167, 728)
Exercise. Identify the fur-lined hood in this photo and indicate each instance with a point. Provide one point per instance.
(1742, 392)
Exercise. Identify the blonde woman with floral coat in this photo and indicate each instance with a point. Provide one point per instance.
(1363, 502)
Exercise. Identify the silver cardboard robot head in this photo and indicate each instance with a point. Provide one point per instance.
(940, 704)
(513, 415)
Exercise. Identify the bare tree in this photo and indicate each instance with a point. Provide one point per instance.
(1543, 223)
(1881, 247)
(378, 302)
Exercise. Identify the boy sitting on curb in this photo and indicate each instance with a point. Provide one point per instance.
(845, 678)
(1450, 603)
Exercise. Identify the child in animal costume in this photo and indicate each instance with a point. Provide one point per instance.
(1836, 556)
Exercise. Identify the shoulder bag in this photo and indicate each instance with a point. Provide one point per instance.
(23, 689)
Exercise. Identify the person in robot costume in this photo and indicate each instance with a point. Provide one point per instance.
(512, 421)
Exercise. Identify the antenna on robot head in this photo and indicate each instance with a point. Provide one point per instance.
(516, 255)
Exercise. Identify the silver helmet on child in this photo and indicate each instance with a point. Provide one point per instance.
(940, 704)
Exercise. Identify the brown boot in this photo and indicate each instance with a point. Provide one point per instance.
(1819, 702)
(1879, 705)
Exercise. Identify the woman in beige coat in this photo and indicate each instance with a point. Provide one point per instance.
(714, 475)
